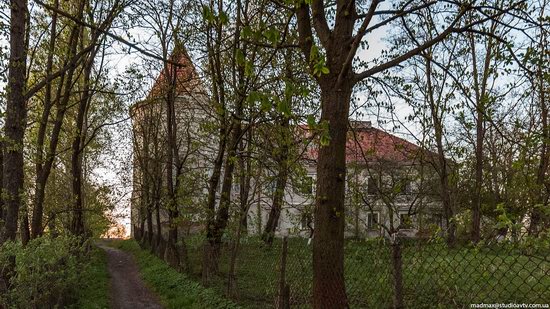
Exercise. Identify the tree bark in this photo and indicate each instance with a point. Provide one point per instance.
(1, 184)
(24, 230)
(336, 86)
(171, 254)
(158, 238)
(63, 96)
(216, 230)
(544, 161)
(328, 241)
(245, 167)
(15, 119)
(279, 194)
(481, 98)
(77, 147)
(437, 120)
(41, 177)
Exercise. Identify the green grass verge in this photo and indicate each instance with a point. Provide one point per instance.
(434, 276)
(93, 293)
(175, 289)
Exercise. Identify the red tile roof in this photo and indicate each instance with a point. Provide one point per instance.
(186, 78)
(368, 144)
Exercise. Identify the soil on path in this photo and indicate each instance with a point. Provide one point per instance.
(128, 291)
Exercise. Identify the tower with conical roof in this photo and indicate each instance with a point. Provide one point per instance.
(179, 82)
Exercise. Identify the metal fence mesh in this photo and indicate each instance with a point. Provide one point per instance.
(381, 273)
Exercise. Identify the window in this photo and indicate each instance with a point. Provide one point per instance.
(306, 185)
(306, 221)
(405, 221)
(372, 186)
(405, 186)
(372, 220)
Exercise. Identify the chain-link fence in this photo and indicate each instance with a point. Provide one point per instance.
(381, 272)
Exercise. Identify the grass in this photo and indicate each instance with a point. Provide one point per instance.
(175, 290)
(433, 275)
(94, 290)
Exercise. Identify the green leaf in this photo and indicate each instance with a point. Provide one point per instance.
(207, 14)
(248, 69)
(272, 35)
(311, 121)
(247, 32)
(239, 57)
(224, 19)
(284, 108)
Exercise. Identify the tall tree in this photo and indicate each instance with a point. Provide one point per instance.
(331, 64)
(539, 59)
(16, 115)
(65, 86)
(40, 181)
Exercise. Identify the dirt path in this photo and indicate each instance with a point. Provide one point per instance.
(128, 291)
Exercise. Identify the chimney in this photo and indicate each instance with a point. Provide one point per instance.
(360, 124)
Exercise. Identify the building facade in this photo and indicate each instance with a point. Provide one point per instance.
(390, 185)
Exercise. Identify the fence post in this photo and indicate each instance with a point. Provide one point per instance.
(397, 263)
(283, 298)
(231, 280)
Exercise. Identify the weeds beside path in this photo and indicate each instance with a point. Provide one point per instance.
(174, 289)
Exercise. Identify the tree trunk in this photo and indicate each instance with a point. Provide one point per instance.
(24, 229)
(544, 161)
(437, 119)
(279, 194)
(171, 255)
(282, 164)
(481, 97)
(209, 259)
(1, 184)
(76, 157)
(476, 200)
(149, 220)
(216, 227)
(216, 230)
(64, 92)
(78, 145)
(158, 238)
(214, 42)
(41, 177)
(15, 120)
(328, 241)
(245, 177)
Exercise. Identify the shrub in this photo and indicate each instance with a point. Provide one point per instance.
(42, 274)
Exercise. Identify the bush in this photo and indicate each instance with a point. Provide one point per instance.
(42, 274)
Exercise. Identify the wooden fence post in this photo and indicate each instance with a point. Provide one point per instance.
(397, 263)
(283, 297)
